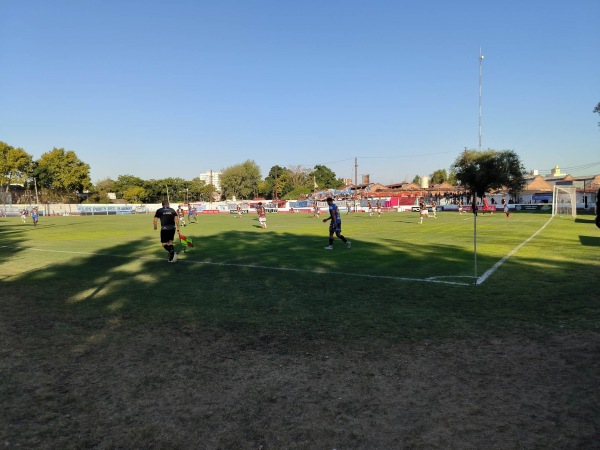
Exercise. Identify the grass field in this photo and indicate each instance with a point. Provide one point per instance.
(262, 339)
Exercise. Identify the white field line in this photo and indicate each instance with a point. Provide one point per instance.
(495, 267)
(254, 266)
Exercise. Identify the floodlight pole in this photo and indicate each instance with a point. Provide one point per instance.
(475, 242)
(480, 77)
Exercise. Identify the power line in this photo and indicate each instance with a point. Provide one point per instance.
(574, 168)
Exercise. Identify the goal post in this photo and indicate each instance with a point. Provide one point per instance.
(564, 201)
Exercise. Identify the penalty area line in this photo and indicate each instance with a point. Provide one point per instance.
(255, 266)
(495, 267)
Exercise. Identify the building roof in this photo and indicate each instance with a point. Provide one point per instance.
(538, 184)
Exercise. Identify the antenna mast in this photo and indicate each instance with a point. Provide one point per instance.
(480, 73)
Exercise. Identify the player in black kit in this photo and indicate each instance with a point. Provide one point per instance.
(169, 223)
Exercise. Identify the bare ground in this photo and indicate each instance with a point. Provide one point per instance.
(186, 388)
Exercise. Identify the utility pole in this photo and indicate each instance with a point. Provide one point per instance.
(355, 171)
(37, 202)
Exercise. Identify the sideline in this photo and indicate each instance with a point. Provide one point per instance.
(491, 270)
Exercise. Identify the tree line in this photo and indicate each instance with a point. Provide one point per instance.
(60, 176)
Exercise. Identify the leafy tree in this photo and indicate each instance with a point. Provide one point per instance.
(155, 191)
(417, 180)
(99, 193)
(451, 177)
(481, 171)
(125, 182)
(298, 193)
(439, 176)
(597, 111)
(325, 177)
(241, 180)
(134, 194)
(275, 183)
(16, 165)
(176, 189)
(64, 173)
(199, 190)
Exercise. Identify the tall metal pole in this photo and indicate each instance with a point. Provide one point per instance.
(355, 171)
(211, 188)
(480, 76)
(474, 193)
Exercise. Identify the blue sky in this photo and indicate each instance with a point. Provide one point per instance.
(160, 89)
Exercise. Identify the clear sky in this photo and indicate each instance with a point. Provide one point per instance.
(162, 89)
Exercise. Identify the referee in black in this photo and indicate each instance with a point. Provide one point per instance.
(169, 222)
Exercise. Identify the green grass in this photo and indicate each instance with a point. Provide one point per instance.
(262, 339)
(283, 281)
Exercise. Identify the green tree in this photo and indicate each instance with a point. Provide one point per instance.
(126, 182)
(175, 187)
(597, 111)
(63, 173)
(439, 176)
(325, 177)
(417, 180)
(199, 190)
(241, 180)
(155, 191)
(481, 171)
(99, 192)
(134, 194)
(16, 165)
(275, 183)
(451, 177)
(298, 193)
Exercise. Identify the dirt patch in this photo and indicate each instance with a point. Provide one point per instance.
(166, 388)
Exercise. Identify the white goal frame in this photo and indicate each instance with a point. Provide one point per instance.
(564, 200)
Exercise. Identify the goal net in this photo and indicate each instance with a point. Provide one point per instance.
(564, 201)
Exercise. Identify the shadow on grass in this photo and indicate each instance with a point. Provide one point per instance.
(289, 285)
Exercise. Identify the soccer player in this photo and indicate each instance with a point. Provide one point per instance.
(262, 215)
(191, 214)
(35, 216)
(336, 225)
(180, 215)
(378, 206)
(316, 211)
(424, 210)
(460, 208)
(370, 206)
(505, 206)
(434, 208)
(486, 206)
(169, 223)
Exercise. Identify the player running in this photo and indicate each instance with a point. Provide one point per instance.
(262, 215)
(191, 214)
(35, 215)
(336, 225)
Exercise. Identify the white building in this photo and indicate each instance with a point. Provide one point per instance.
(212, 177)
